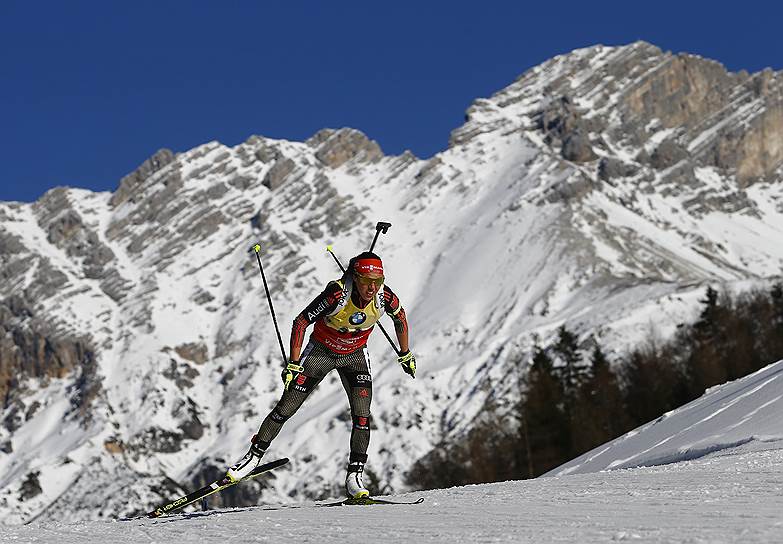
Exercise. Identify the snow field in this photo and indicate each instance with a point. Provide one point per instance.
(729, 496)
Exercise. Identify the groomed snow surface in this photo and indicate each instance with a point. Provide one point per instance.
(725, 486)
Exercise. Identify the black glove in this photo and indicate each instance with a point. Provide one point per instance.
(408, 362)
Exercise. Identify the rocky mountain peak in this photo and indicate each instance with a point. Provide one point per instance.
(592, 103)
(148, 168)
(336, 147)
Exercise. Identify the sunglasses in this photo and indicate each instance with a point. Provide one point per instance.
(361, 280)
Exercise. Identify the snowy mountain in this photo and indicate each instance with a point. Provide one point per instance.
(603, 189)
(718, 492)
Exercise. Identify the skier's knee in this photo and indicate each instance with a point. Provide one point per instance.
(361, 423)
(361, 400)
(279, 416)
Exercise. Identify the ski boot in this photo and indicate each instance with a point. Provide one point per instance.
(245, 466)
(354, 487)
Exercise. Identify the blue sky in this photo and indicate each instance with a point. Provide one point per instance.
(88, 90)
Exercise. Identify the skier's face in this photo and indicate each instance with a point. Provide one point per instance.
(367, 287)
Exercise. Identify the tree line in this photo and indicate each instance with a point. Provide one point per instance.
(574, 399)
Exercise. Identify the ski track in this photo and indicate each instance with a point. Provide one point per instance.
(723, 497)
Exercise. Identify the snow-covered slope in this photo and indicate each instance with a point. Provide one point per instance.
(745, 411)
(603, 189)
(732, 495)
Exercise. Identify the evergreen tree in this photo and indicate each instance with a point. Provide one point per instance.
(774, 337)
(706, 366)
(573, 371)
(653, 383)
(608, 414)
(543, 412)
(738, 349)
(709, 314)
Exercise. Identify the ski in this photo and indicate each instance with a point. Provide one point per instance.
(214, 487)
(367, 501)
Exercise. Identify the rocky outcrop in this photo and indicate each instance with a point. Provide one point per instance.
(335, 148)
(277, 175)
(681, 108)
(155, 205)
(130, 183)
(34, 348)
(181, 374)
(31, 487)
(611, 168)
(66, 230)
(564, 127)
(757, 152)
(667, 154)
(732, 121)
(196, 352)
(577, 148)
(682, 91)
(155, 439)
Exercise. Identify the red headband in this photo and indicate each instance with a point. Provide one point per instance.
(372, 268)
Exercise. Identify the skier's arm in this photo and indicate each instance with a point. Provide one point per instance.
(297, 336)
(322, 305)
(397, 313)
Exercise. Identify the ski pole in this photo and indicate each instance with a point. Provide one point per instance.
(257, 249)
(329, 249)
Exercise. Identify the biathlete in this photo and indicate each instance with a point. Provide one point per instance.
(344, 315)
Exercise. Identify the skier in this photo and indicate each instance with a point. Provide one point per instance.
(344, 315)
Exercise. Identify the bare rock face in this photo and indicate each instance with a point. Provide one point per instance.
(667, 154)
(563, 124)
(559, 119)
(151, 190)
(577, 148)
(693, 94)
(196, 352)
(610, 168)
(10, 244)
(129, 183)
(757, 152)
(600, 99)
(31, 487)
(14, 262)
(335, 148)
(32, 348)
(681, 92)
(66, 230)
(277, 175)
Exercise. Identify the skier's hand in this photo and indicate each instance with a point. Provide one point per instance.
(408, 362)
(288, 372)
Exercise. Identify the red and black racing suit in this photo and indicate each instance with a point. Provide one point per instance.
(330, 349)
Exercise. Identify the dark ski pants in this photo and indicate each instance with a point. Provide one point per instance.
(318, 361)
